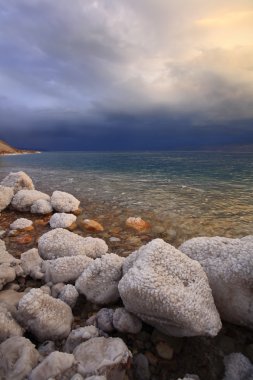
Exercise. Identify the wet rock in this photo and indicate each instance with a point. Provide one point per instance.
(137, 224)
(6, 195)
(41, 206)
(69, 295)
(60, 242)
(99, 281)
(228, 264)
(141, 367)
(31, 264)
(18, 181)
(164, 350)
(62, 220)
(64, 202)
(92, 225)
(126, 322)
(179, 298)
(20, 224)
(110, 360)
(80, 335)
(44, 316)
(25, 239)
(238, 367)
(23, 199)
(65, 269)
(46, 347)
(8, 326)
(18, 357)
(53, 365)
(104, 320)
(114, 239)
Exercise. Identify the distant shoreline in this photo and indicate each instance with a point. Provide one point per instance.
(18, 153)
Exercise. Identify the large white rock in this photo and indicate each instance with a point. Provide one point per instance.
(238, 367)
(18, 181)
(18, 357)
(8, 326)
(228, 264)
(6, 195)
(23, 199)
(44, 316)
(103, 356)
(20, 224)
(168, 290)
(41, 206)
(31, 263)
(62, 220)
(64, 202)
(99, 281)
(60, 242)
(65, 269)
(52, 366)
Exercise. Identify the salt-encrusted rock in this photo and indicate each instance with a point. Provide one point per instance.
(18, 357)
(23, 199)
(6, 195)
(56, 289)
(45, 316)
(41, 206)
(228, 264)
(64, 202)
(53, 365)
(46, 289)
(190, 377)
(77, 376)
(8, 326)
(93, 378)
(31, 264)
(9, 266)
(103, 356)
(46, 348)
(80, 335)
(65, 269)
(238, 367)
(62, 220)
(20, 224)
(7, 274)
(69, 295)
(18, 181)
(104, 319)
(126, 322)
(99, 281)
(60, 242)
(168, 290)
(10, 298)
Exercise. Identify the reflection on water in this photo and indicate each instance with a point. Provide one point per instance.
(192, 193)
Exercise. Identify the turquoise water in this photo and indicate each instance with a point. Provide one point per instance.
(212, 189)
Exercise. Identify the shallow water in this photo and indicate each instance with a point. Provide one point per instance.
(186, 193)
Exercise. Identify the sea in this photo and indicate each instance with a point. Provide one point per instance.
(184, 194)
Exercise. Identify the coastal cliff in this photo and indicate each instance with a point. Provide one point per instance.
(8, 149)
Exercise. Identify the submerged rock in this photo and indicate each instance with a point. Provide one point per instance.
(62, 220)
(18, 181)
(65, 269)
(6, 195)
(41, 206)
(8, 326)
(44, 316)
(64, 202)
(228, 264)
(137, 224)
(80, 335)
(168, 290)
(238, 367)
(18, 357)
(20, 224)
(99, 281)
(92, 225)
(103, 356)
(60, 242)
(126, 322)
(23, 199)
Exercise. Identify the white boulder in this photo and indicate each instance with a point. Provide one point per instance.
(126, 322)
(23, 199)
(44, 316)
(99, 281)
(228, 264)
(102, 356)
(65, 269)
(80, 335)
(6, 195)
(41, 206)
(168, 290)
(20, 224)
(18, 181)
(31, 263)
(8, 326)
(64, 202)
(62, 220)
(60, 242)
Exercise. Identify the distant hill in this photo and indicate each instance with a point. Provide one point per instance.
(7, 149)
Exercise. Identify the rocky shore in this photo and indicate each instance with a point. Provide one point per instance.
(77, 304)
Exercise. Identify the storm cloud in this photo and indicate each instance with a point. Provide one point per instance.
(106, 71)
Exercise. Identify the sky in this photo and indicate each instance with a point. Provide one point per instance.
(126, 74)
